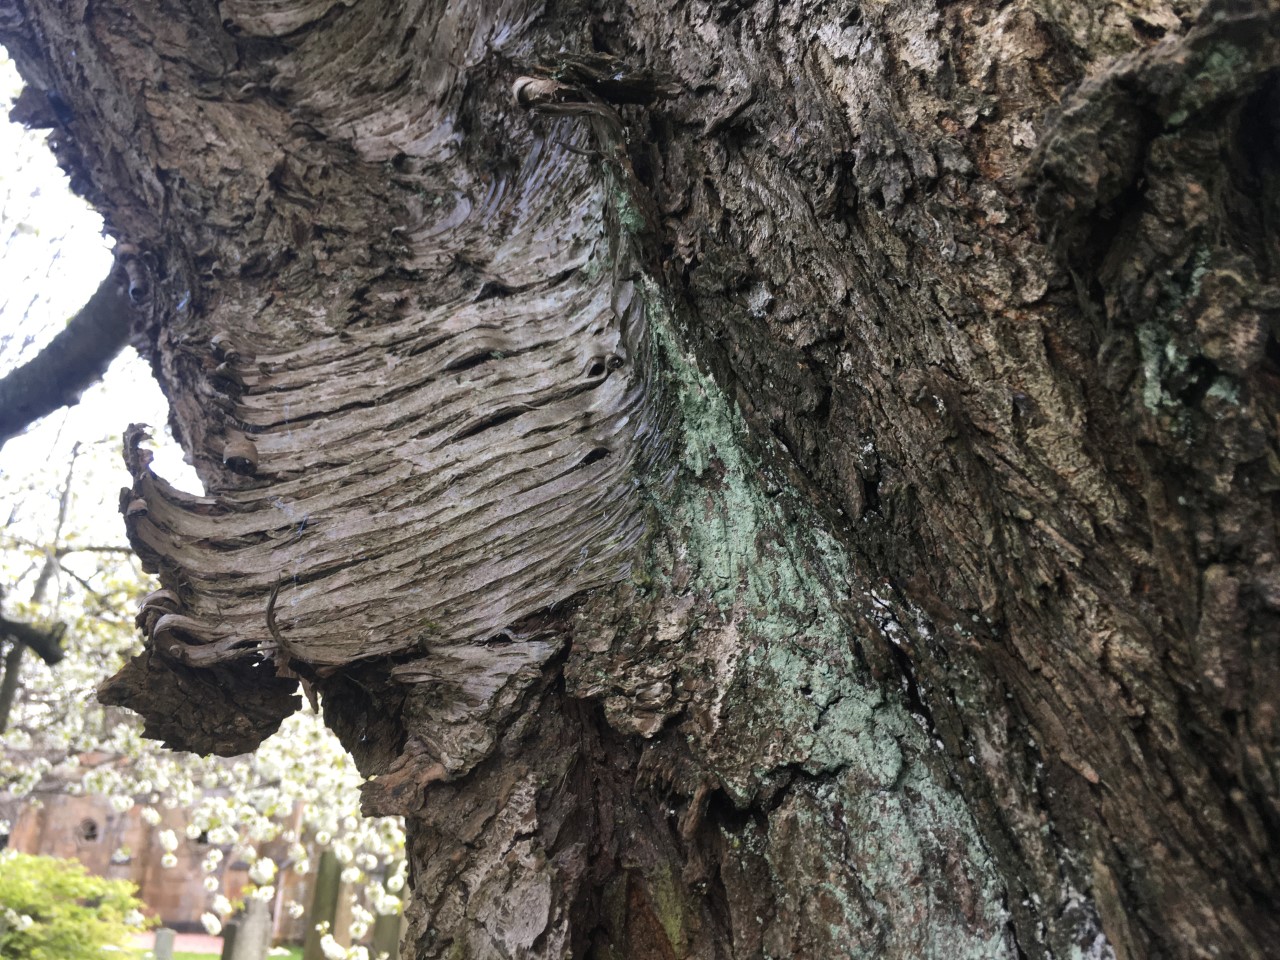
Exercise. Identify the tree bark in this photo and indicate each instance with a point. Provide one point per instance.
(802, 488)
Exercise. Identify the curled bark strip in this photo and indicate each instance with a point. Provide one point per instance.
(213, 654)
(224, 348)
(240, 456)
(128, 259)
(162, 630)
(211, 648)
(158, 597)
(154, 606)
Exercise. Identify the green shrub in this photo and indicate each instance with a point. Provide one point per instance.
(53, 909)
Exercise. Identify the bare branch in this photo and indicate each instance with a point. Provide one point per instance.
(46, 643)
(9, 683)
(73, 360)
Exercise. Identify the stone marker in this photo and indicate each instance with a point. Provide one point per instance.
(253, 939)
(229, 931)
(163, 948)
(386, 936)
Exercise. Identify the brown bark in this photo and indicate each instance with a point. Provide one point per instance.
(957, 642)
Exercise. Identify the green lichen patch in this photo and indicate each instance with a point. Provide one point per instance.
(800, 713)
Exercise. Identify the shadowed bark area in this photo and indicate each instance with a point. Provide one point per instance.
(825, 511)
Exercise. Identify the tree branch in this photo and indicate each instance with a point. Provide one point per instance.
(76, 358)
(9, 683)
(67, 551)
(46, 643)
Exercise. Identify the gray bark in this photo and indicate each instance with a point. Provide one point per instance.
(803, 489)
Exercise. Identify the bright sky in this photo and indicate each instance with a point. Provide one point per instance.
(52, 257)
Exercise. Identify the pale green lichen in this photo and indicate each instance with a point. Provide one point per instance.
(629, 215)
(745, 549)
(1161, 359)
(1225, 389)
(799, 698)
(799, 695)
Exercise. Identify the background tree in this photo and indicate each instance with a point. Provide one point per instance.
(53, 910)
(938, 623)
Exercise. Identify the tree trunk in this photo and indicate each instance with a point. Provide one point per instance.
(802, 489)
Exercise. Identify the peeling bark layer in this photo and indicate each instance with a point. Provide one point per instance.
(948, 634)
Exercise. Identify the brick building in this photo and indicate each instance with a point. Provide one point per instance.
(123, 845)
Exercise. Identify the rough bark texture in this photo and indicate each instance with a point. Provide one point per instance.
(826, 512)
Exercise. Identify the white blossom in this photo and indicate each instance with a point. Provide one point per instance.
(212, 925)
(263, 870)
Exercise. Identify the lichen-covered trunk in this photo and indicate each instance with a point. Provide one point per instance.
(796, 480)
